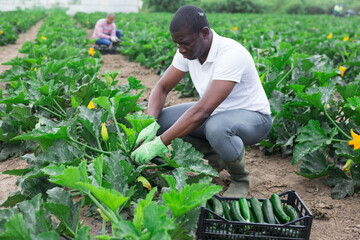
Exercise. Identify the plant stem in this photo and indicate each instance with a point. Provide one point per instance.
(98, 143)
(118, 131)
(58, 105)
(283, 78)
(91, 148)
(103, 227)
(104, 211)
(340, 140)
(48, 110)
(157, 166)
(333, 122)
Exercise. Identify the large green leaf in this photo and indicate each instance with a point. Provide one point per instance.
(15, 229)
(69, 176)
(311, 138)
(60, 203)
(343, 186)
(157, 222)
(315, 165)
(318, 96)
(36, 218)
(109, 197)
(186, 156)
(20, 97)
(5, 215)
(280, 61)
(139, 211)
(116, 174)
(189, 197)
(139, 121)
(91, 120)
(348, 90)
(124, 104)
(46, 135)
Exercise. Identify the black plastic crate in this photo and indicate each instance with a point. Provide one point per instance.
(212, 226)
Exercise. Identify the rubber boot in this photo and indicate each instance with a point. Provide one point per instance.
(239, 176)
(204, 147)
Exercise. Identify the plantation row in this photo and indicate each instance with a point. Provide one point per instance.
(310, 70)
(14, 22)
(76, 125)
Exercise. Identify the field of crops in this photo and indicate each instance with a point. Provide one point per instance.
(77, 128)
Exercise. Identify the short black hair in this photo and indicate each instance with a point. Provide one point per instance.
(190, 17)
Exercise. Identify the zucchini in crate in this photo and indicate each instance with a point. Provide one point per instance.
(268, 211)
(278, 208)
(244, 208)
(292, 213)
(235, 212)
(256, 210)
(226, 210)
(217, 206)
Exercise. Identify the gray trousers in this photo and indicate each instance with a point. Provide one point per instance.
(227, 132)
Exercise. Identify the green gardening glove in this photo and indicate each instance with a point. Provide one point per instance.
(149, 150)
(148, 133)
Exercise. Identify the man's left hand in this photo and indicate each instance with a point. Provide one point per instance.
(149, 150)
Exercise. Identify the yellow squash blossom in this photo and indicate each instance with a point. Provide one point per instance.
(329, 36)
(43, 38)
(1, 32)
(234, 28)
(91, 51)
(145, 182)
(346, 38)
(104, 132)
(91, 105)
(87, 22)
(356, 140)
(342, 70)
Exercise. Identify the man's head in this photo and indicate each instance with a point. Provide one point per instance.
(110, 18)
(190, 17)
(190, 30)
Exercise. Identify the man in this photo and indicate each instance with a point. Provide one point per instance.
(233, 110)
(105, 31)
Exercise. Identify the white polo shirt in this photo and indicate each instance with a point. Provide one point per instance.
(227, 60)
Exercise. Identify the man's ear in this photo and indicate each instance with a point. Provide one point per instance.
(205, 32)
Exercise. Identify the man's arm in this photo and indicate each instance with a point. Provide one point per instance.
(167, 82)
(216, 93)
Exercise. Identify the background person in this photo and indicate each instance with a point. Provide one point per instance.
(233, 110)
(338, 10)
(105, 31)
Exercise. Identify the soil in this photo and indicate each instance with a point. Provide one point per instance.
(333, 219)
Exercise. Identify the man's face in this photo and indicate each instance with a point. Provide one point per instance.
(110, 19)
(191, 45)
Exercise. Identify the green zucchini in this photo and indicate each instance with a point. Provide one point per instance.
(226, 208)
(217, 206)
(244, 208)
(292, 213)
(278, 208)
(256, 210)
(235, 212)
(268, 211)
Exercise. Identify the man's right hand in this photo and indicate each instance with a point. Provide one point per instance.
(114, 39)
